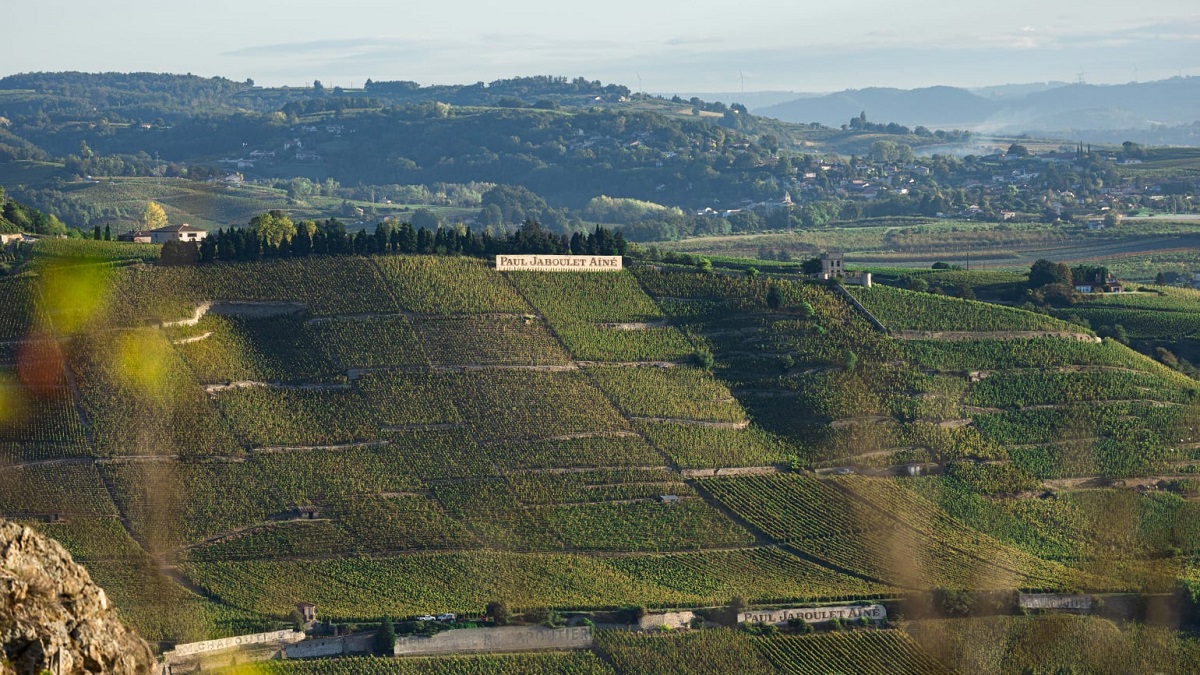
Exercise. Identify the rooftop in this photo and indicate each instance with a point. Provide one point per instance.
(178, 228)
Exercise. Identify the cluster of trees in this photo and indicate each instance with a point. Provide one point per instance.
(1053, 284)
(337, 105)
(1045, 273)
(18, 217)
(860, 123)
(535, 88)
(274, 235)
(466, 195)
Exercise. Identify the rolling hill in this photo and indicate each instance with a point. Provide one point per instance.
(410, 434)
(1061, 109)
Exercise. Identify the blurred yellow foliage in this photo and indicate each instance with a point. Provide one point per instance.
(141, 360)
(74, 296)
(13, 404)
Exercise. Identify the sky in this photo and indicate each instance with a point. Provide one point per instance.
(648, 45)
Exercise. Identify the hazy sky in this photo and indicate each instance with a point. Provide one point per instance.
(699, 45)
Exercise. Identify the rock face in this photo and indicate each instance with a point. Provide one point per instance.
(53, 618)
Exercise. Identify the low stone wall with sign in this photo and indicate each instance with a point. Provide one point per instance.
(559, 263)
(1059, 601)
(359, 643)
(506, 639)
(815, 614)
(671, 620)
(280, 637)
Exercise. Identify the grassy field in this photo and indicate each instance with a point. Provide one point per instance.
(200, 204)
(1137, 250)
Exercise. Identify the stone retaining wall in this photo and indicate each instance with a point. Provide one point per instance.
(193, 648)
(506, 639)
(1063, 601)
(671, 620)
(359, 643)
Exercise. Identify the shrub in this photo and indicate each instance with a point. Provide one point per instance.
(498, 610)
(953, 602)
(774, 297)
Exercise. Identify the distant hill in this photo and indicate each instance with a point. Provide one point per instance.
(1014, 91)
(1009, 109)
(149, 95)
(750, 99)
(931, 106)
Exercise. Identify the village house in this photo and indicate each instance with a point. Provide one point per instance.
(182, 232)
(135, 236)
(1100, 284)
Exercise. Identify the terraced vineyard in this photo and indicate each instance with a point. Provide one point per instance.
(466, 582)
(858, 651)
(231, 349)
(449, 286)
(678, 393)
(576, 663)
(17, 307)
(409, 434)
(907, 310)
(879, 530)
(603, 317)
(726, 651)
(1055, 643)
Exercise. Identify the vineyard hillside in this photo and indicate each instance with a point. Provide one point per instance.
(401, 435)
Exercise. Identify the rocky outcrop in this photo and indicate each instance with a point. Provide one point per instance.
(53, 618)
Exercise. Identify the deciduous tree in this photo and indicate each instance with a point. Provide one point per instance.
(274, 226)
(154, 217)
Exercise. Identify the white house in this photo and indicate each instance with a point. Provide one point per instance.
(183, 232)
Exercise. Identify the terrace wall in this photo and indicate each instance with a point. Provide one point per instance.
(506, 639)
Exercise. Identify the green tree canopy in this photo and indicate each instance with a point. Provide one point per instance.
(426, 218)
(274, 226)
(1045, 272)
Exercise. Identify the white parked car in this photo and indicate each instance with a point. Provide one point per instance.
(427, 617)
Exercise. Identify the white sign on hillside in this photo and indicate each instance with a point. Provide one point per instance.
(558, 263)
(279, 636)
(815, 614)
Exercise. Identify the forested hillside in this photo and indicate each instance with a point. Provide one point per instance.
(87, 147)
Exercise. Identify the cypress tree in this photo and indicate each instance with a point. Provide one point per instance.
(408, 238)
(385, 639)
